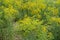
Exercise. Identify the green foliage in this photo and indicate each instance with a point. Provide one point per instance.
(29, 19)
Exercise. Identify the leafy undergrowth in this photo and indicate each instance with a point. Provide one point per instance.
(29, 19)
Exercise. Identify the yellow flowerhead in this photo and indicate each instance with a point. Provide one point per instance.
(44, 29)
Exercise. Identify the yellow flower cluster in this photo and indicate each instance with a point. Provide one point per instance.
(31, 4)
(57, 1)
(36, 11)
(10, 12)
(24, 6)
(44, 29)
(42, 6)
(26, 20)
(55, 19)
(39, 16)
(53, 10)
(18, 3)
(6, 1)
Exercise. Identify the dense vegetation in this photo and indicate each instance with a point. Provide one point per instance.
(29, 19)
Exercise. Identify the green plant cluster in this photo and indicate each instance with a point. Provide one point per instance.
(29, 19)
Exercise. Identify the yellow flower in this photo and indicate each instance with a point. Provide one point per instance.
(55, 11)
(26, 20)
(38, 16)
(57, 1)
(24, 6)
(36, 11)
(50, 8)
(10, 12)
(17, 2)
(31, 4)
(58, 20)
(42, 6)
(6, 1)
(55, 19)
(44, 29)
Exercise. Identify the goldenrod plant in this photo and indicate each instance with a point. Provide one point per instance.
(29, 19)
